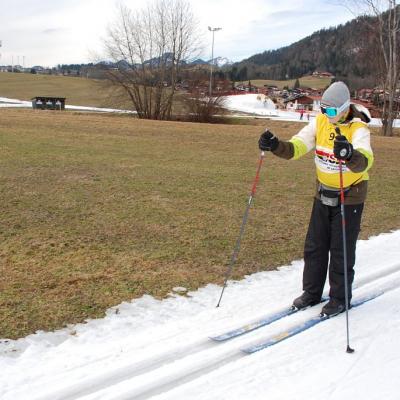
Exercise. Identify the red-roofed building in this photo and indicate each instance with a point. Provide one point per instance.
(303, 102)
(373, 110)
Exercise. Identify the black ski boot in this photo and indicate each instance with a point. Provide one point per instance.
(333, 307)
(305, 300)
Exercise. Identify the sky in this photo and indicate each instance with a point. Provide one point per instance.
(49, 32)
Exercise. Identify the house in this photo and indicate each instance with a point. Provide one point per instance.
(247, 88)
(365, 94)
(38, 68)
(272, 90)
(313, 91)
(373, 100)
(303, 102)
(373, 110)
(323, 74)
(12, 68)
(43, 70)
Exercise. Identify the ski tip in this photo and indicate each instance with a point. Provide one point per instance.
(248, 351)
(220, 338)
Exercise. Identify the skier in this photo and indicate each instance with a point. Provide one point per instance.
(323, 244)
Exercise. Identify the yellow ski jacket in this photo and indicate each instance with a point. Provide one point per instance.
(319, 135)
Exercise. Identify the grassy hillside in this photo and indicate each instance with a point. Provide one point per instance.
(78, 91)
(98, 209)
(305, 81)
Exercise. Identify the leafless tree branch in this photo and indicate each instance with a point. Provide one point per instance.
(149, 47)
(385, 28)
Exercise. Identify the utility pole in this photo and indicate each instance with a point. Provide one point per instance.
(213, 30)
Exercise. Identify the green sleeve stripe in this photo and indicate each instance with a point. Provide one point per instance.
(299, 148)
(369, 156)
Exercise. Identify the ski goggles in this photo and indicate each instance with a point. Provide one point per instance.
(332, 112)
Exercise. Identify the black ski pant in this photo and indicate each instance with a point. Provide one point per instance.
(324, 246)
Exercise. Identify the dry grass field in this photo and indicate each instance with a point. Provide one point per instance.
(94, 93)
(305, 81)
(98, 209)
(78, 91)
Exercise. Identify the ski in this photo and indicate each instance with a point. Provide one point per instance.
(264, 321)
(302, 327)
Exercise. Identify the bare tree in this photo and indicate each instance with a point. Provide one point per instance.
(200, 106)
(149, 47)
(386, 29)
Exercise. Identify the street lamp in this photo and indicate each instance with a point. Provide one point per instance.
(213, 30)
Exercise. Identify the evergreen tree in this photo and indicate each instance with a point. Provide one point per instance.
(345, 51)
(242, 74)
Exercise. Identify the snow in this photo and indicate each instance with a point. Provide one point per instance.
(155, 349)
(15, 103)
(220, 61)
(254, 104)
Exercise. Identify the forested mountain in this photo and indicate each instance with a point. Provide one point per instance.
(346, 51)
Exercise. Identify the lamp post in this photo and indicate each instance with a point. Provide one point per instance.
(213, 30)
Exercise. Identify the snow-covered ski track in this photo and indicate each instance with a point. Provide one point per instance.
(181, 362)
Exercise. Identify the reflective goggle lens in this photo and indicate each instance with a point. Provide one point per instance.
(331, 112)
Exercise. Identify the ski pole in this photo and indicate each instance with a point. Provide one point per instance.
(244, 221)
(346, 284)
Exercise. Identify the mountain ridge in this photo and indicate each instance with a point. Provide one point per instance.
(343, 50)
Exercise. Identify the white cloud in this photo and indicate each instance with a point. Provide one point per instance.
(49, 32)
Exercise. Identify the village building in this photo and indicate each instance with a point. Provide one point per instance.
(323, 74)
(303, 102)
(248, 88)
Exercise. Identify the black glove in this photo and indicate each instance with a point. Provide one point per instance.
(268, 141)
(342, 148)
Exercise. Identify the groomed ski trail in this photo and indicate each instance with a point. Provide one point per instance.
(182, 364)
(288, 311)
